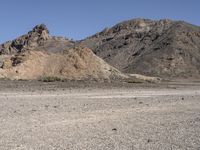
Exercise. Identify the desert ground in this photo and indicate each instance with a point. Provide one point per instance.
(99, 116)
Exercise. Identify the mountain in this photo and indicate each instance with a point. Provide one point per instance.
(162, 48)
(38, 55)
(38, 38)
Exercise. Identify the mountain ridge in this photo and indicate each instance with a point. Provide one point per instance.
(163, 48)
(127, 45)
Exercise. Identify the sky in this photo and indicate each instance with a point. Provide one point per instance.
(77, 19)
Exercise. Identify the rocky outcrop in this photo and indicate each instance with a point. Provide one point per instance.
(38, 38)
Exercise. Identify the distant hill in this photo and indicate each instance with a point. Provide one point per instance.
(163, 48)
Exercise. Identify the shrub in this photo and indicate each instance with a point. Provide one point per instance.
(50, 79)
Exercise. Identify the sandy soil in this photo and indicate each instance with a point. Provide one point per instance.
(112, 116)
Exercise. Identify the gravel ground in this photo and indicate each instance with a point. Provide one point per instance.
(112, 116)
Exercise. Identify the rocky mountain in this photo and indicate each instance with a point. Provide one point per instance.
(38, 38)
(163, 48)
(38, 55)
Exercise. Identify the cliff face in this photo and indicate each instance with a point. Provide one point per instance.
(163, 48)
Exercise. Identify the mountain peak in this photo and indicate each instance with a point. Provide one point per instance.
(40, 28)
(163, 48)
(41, 31)
(34, 38)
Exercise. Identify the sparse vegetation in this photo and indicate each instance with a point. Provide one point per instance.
(50, 79)
(134, 80)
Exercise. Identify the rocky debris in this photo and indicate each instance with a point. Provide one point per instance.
(114, 129)
(162, 48)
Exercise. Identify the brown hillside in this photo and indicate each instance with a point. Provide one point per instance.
(78, 64)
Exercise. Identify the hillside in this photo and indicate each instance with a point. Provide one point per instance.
(163, 48)
(73, 64)
(38, 55)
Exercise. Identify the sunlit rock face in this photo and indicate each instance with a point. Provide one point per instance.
(37, 36)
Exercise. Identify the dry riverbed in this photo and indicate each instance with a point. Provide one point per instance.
(99, 116)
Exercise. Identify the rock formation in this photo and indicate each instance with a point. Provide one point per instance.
(38, 38)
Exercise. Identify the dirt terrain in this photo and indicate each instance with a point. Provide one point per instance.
(99, 116)
(77, 64)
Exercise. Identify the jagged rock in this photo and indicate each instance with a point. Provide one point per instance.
(36, 39)
(38, 36)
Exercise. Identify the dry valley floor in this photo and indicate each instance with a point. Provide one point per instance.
(98, 116)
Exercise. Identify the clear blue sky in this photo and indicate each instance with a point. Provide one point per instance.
(78, 19)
